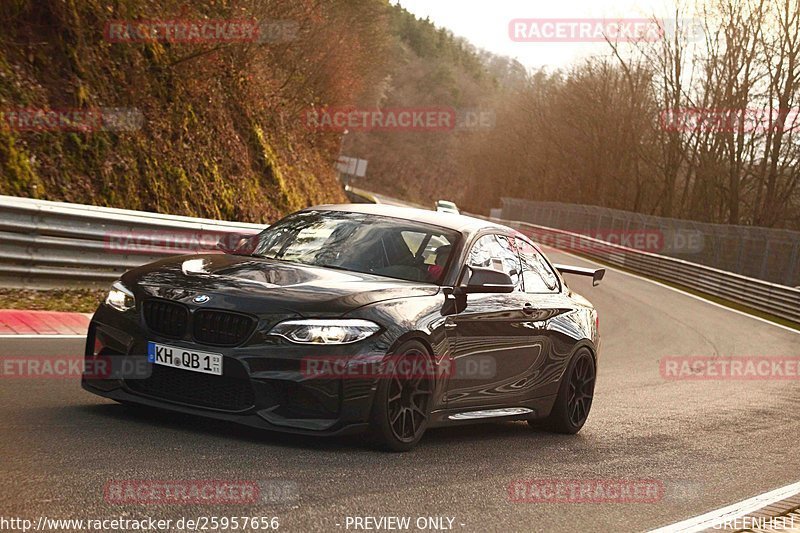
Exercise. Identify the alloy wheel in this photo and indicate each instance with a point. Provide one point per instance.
(408, 399)
(581, 390)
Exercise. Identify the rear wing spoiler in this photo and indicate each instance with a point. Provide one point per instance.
(595, 273)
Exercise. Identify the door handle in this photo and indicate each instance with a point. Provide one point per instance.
(528, 309)
(450, 325)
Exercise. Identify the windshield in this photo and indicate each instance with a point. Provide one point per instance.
(358, 242)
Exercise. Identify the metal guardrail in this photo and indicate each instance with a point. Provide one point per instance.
(765, 296)
(52, 244)
(57, 245)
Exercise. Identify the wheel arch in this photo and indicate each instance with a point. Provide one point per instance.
(587, 344)
(414, 335)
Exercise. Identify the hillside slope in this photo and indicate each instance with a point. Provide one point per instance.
(216, 127)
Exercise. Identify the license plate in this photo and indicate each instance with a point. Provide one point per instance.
(185, 358)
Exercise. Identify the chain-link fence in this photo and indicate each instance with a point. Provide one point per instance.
(763, 253)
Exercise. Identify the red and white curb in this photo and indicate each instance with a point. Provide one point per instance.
(19, 324)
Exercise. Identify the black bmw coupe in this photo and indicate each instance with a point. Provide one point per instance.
(354, 317)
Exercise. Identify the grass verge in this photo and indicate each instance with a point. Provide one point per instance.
(72, 300)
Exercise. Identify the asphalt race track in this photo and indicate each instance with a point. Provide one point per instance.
(710, 443)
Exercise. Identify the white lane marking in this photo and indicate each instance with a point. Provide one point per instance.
(731, 512)
(732, 310)
(42, 336)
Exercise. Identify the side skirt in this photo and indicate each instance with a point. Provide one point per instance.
(524, 410)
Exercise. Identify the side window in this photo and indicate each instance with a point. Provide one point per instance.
(537, 276)
(498, 252)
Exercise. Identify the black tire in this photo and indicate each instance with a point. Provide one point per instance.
(401, 408)
(574, 400)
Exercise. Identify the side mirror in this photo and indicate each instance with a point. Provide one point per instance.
(488, 280)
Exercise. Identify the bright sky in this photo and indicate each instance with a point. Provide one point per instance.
(485, 23)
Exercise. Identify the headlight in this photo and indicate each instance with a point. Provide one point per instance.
(319, 331)
(120, 298)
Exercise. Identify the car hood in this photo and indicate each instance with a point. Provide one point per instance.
(257, 285)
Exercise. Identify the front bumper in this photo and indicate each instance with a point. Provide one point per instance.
(263, 383)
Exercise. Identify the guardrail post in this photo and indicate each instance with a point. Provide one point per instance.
(793, 275)
(765, 260)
